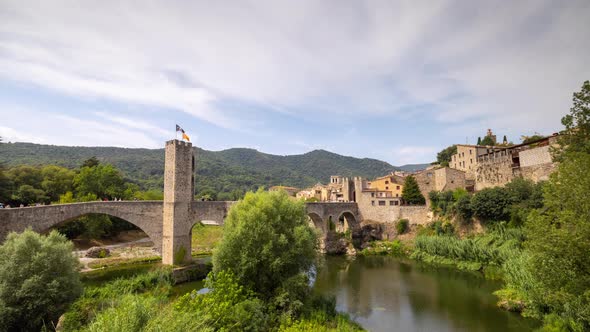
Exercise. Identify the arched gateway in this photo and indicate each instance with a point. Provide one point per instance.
(168, 223)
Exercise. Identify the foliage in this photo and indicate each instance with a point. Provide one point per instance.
(491, 204)
(559, 242)
(411, 192)
(266, 242)
(233, 171)
(493, 248)
(227, 305)
(464, 208)
(97, 299)
(402, 226)
(487, 141)
(205, 238)
(528, 139)
(38, 279)
(103, 180)
(444, 156)
(576, 136)
(394, 248)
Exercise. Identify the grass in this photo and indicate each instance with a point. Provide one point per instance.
(482, 252)
(393, 248)
(205, 238)
(120, 261)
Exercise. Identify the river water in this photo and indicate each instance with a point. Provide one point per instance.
(388, 294)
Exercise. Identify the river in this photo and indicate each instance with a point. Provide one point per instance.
(389, 294)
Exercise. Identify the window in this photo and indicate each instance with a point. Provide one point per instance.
(386, 182)
(470, 152)
(372, 194)
(396, 203)
(391, 202)
(373, 203)
(396, 195)
(386, 188)
(471, 160)
(397, 187)
(381, 203)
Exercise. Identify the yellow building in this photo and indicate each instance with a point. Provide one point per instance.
(390, 183)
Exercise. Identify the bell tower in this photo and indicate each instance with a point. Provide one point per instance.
(179, 185)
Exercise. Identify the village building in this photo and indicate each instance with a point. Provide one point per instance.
(291, 191)
(530, 160)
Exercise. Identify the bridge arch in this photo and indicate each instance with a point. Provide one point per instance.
(146, 215)
(347, 221)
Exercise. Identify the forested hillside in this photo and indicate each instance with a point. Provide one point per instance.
(227, 171)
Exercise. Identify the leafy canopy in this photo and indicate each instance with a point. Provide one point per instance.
(38, 279)
(266, 241)
(444, 156)
(411, 193)
(577, 123)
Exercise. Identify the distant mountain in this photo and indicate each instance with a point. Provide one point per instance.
(413, 167)
(218, 171)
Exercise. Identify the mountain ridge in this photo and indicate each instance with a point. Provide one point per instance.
(217, 171)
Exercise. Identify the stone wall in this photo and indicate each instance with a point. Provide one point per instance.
(495, 170)
(535, 156)
(538, 173)
(448, 179)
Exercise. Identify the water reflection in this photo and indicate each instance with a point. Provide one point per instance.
(388, 294)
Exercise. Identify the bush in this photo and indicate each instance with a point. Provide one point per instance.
(402, 226)
(38, 280)
(492, 204)
(266, 242)
(464, 208)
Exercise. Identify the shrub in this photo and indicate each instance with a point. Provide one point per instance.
(266, 242)
(491, 204)
(38, 279)
(464, 209)
(402, 226)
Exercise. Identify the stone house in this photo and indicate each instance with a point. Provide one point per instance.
(532, 161)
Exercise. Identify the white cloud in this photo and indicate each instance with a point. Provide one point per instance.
(510, 65)
(413, 154)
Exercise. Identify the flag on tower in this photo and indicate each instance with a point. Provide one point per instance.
(184, 135)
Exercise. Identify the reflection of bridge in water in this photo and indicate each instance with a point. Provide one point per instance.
(167, 223)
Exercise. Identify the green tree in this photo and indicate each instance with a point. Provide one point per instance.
(479, 141)
(411, 193)
(464, 208)
(56, 181)
(104, 181)
(487, 140)
(576, 136)
(559, 241)
(38, 279)
(25, 175)
(267, 242)
(90, 162)
(26, 194)
(492, 204)
(444, 156)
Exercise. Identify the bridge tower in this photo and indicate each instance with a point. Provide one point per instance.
(179, 185)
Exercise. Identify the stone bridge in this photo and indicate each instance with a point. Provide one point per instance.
(148, 216)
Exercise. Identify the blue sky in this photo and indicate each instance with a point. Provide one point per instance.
(392, 80)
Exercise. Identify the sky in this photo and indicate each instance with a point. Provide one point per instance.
(392, 80)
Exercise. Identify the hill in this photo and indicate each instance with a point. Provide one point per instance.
(217, 171)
